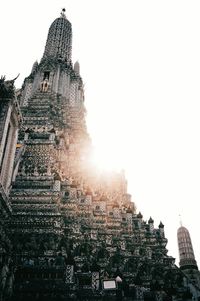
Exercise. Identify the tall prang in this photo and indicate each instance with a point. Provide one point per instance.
(75, 233)
(64, 97)
(56, 67)
(187, 262)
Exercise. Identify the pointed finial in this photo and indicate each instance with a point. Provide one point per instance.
(150, 221)
(140, 215)
(77, 67)
(180, 220)
(161, 225)
(63, 13)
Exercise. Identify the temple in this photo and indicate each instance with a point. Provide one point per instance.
(68, 232)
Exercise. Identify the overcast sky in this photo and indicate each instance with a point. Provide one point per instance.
(140, 62)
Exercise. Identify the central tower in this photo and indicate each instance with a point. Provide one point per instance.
(55, 72)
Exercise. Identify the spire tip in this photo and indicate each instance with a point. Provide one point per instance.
(180, 220)
(63, 13)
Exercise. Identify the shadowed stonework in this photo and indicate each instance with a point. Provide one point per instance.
(69, 232)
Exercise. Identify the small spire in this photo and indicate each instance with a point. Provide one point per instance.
(77, 67)
(63, 13)
(150, 221)
(161, 225)
(140, 215)
(34, 68)
(180, 220)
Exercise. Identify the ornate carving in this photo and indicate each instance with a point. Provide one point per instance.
(7, 89)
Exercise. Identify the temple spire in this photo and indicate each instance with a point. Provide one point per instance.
(59, 40)
(180, 220)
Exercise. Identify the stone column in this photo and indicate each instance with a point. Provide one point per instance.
(95, 280)
(4, 123)
(7, 164)
(56, 186)
(69, 274)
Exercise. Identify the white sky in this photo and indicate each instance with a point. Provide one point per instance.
(140, 61)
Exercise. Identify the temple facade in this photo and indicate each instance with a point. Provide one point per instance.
(73, 234)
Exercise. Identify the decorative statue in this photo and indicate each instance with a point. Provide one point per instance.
(44, 85)
(7, 89)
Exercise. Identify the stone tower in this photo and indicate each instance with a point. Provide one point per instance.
(187, 263)
(75, 233)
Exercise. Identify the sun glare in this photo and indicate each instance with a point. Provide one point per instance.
(106, 160)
